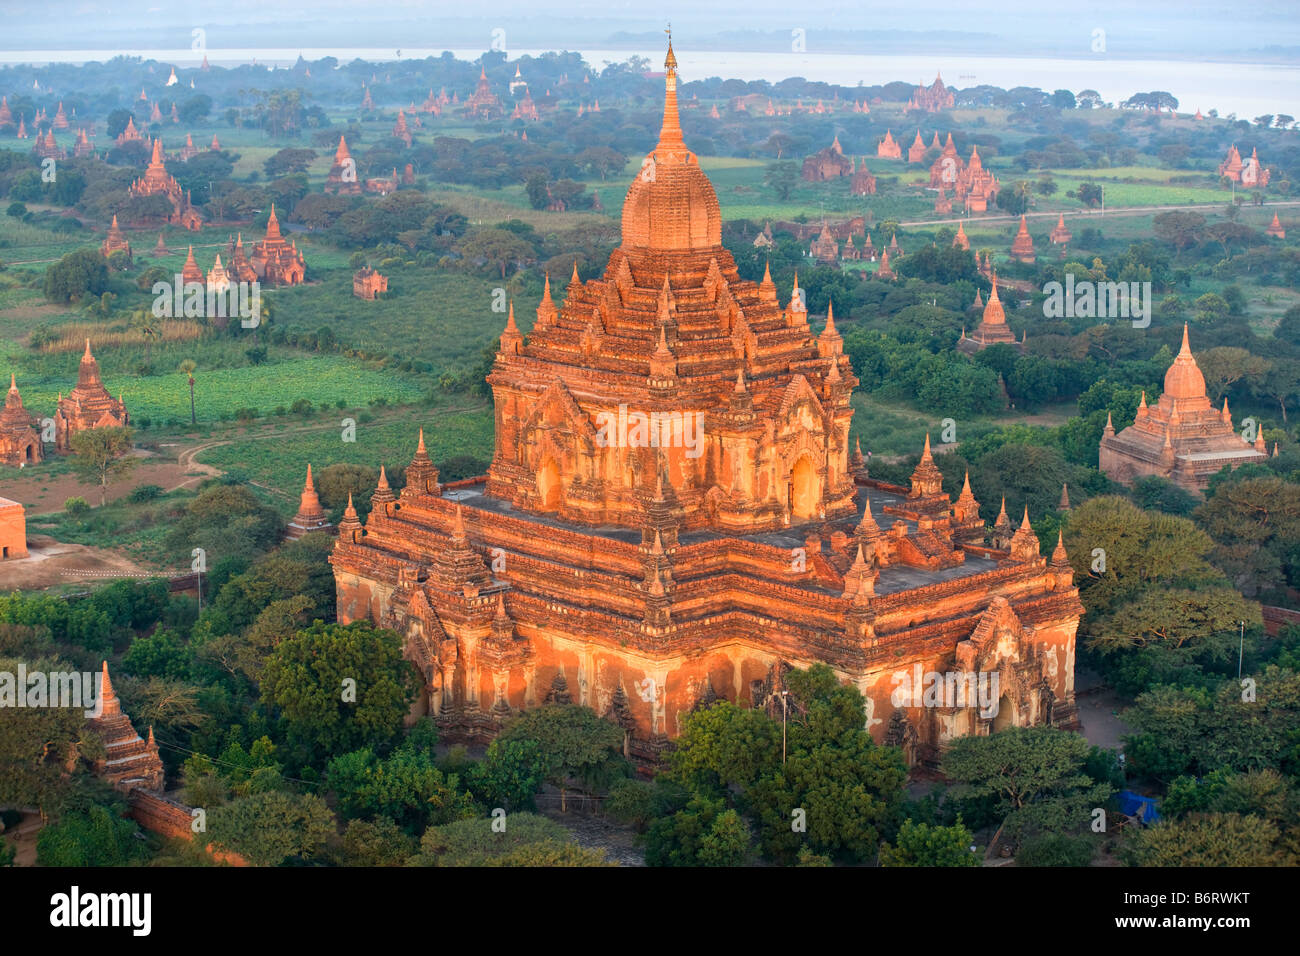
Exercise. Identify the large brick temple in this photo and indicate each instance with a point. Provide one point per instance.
(673, 515)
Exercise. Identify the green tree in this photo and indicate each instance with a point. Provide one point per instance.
(704, 833)
(289, 160)
(39, 743)
(495, 250)
(79, 273)
(1201, 840)
(1255, 523)
(102, 455)
(576, 744)
(835, 782)
(781, 178)
(376, 843)
(1224, 366)
(920, 844)
(1179, 228)
(340, 687)
(1037, 775)
(229, 521)
(517, 839)
(187, 368)
(510, 774)
(724, 746)
(97, 836)
(405, 787)
(535, 187)
(1055, 849)
(268, 828)
(1197, 730)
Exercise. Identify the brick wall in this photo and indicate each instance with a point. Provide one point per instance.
(13, 529)
(170, 818)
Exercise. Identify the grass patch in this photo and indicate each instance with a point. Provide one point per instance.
(277, 458)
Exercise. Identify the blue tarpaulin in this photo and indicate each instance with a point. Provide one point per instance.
(1136, 805)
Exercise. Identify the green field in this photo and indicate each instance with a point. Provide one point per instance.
(276, 458)
(322, 379)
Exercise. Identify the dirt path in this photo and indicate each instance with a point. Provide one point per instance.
(43, 493)
(51, 563)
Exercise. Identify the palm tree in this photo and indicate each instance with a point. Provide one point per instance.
(147, 325)
(188, 368)
(266, 310)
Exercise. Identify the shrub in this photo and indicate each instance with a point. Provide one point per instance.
(76, 507)
(1055, 849)
(143, 493)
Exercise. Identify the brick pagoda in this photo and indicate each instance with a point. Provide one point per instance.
(367, 283)
(932, 98)
(129, 762)
(20, 442)
(156, 181)
(311, 515)
(993, 328)
(888, 148)
(276, 261)
(342, 178)
(115, 241)
(1022, 247)
(1182, 437)
(88, 405)
(643, 581)
(1060, 234)
(483, 103)
(916, 152)
(829, 163)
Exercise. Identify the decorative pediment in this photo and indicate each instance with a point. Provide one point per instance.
(108, 420)
(623, 281)
(797, 393)
(999, 636)
(714, 281)
(800, 443)
(743, 338)
(728, 310)
(557, 409)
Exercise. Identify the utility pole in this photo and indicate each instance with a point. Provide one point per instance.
(1241, 649)
(785, 706)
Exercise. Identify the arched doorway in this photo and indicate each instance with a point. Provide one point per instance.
(548, 486)
(805, 491)
(1006, 715)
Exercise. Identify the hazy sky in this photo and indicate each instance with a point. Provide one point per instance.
(1011, 27)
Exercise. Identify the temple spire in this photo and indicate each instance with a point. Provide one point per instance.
(670, 134)
(108, 702)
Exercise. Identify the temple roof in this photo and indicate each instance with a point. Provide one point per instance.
(1184, 378)
(671, 205)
